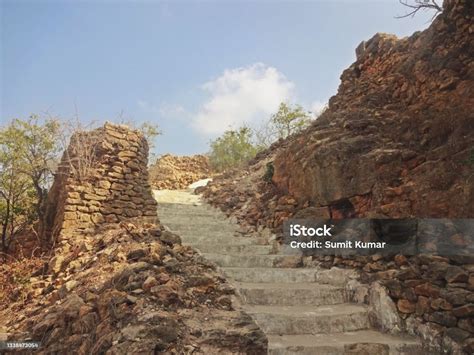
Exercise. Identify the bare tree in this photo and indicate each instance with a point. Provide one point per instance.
(80, 145)
(417, 5)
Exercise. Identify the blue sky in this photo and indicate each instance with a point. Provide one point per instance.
(193, 67)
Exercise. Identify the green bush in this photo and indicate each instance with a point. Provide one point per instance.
(233, 149)
(268, 176)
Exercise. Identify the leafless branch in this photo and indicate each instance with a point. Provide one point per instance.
(80, 147)
(417, 5)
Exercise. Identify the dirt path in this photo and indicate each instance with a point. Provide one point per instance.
(302, 311)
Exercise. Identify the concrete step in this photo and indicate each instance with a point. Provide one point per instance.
(333, 276)
(213, 247)
(270, 275)
(165, 214)
(303, 294)
(208, 227)
(310, 319)
(217, 238)
(204, 239)
(302, 310)
(194, 218)
(192, 214)
(185, 209)
(250, 261)
(371, 341)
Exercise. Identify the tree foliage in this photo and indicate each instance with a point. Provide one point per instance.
(286, 121)
(232, 149)
(28, 152)
(150, 131)
(236, 147)
(289, 120)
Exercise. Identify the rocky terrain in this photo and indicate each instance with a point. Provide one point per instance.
(171, 172)
(118, 281)
(395, 142)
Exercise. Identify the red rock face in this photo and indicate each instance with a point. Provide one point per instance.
(396, 137)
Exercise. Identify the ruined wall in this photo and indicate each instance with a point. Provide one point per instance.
(103, 178)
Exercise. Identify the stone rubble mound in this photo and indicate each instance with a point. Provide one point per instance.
(130, 290)
(171, 172)
(118, 282)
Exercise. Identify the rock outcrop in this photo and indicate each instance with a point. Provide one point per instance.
(172, 172)
(396, 141)
(396, 137)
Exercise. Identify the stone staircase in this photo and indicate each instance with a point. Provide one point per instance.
(302, 311)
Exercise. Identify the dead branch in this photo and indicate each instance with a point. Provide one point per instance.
(417, 5)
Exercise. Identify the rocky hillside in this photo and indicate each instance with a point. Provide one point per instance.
(397, 135)
(173, 172)
(396, 141)
(118, 282)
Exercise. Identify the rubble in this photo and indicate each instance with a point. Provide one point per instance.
(171, 172)
(125, 291)
(121, 285)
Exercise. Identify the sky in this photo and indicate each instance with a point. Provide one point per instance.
(195, 68)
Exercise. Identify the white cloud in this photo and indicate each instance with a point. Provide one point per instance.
(245, 95)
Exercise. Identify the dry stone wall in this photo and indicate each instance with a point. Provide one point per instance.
(103, 178)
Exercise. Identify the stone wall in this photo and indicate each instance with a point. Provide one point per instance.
(102, 178)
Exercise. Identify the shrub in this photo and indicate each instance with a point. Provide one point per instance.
(233, 149)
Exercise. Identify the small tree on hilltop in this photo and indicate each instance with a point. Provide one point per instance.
(286, 121)
(232, 149)
(289, 120)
